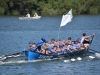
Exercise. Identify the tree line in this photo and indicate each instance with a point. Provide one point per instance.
(49, 7)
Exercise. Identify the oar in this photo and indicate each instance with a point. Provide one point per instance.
(78, 58)
(11, 55)
(96, 52)
(92, 57)
(63, 55)
(72, 59)
(66, 54)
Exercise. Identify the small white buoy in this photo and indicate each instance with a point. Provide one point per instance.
(72, 59)
(79, 58)
(92, 57)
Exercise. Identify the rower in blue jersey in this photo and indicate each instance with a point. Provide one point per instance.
(32, 46)
(49, 46)
(54, 42)
(60, 50)
(68, 41)
(76, 44)
(66, 48)
(40, 43)
(72, 47)
(54, 50)
(60, 43)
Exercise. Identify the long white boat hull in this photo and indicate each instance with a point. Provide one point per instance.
(29, 18)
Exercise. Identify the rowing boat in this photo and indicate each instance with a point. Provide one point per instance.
(35, 55)
(31, 55)
(29, 18)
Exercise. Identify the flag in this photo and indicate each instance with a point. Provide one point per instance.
(66, 18)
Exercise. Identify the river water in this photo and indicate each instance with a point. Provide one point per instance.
(15, 35)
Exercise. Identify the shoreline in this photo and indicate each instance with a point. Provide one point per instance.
(53, 15)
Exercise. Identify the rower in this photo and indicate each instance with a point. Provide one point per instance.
(49, 46)
(30, 45)
(54, 43)
(60, 50)
(55, 50)
(85, 40)
(66, 48)
(77, 45)
(68, 41)
(72, 46)
(60, 43)
(39, 44)
(28, 15)
(35, 15)
(47, 51)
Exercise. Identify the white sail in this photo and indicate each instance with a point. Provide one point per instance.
(66, 18)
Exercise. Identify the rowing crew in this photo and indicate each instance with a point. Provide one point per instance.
(61, 46)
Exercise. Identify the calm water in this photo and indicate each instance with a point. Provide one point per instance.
(15, 35)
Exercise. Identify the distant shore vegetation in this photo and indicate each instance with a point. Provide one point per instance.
(49, 7)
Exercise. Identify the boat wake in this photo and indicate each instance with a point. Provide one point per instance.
(22, 59)
(12, 62)
(80, 59)
(15, 60)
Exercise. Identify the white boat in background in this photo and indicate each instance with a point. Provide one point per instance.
(29, 18)
(37, 17)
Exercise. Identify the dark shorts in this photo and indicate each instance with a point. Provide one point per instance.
(86, 42)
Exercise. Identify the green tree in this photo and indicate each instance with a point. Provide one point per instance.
(49, 7)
